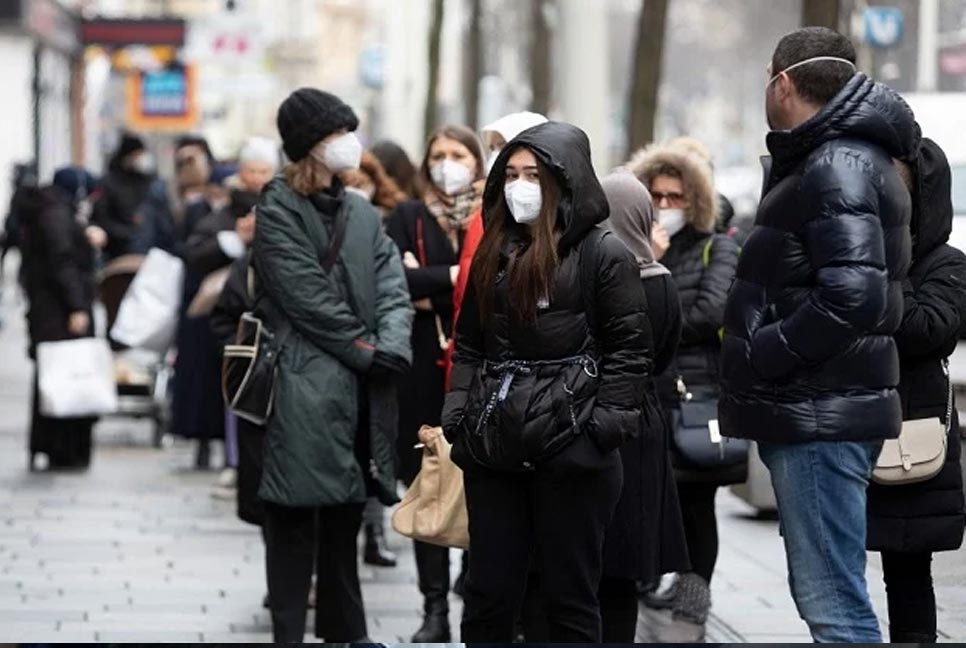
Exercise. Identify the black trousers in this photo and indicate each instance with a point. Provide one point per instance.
(556, 521)
(618, 609)
(700, 526)
(298, 539)
(910, 595)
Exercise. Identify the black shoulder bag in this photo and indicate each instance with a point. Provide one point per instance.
(250, 365)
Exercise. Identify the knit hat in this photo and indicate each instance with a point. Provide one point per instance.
(75, 180)
(259, 150)
(308, 116)
(129, 144)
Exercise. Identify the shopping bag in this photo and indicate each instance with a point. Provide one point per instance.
(434, 508)
(148, 315)
(76, 378)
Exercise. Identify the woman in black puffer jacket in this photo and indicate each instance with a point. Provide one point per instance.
(908, 523)
(553, 350)
(702, 264)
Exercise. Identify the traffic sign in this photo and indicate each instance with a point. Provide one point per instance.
(884, 26)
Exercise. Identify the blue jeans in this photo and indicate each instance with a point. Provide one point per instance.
(820, 489)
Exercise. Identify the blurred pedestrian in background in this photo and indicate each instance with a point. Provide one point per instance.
(646, 538)
(24, 182)
(397, 164)
(58, 249)
(553, 352)
(331, 285)
(429, 234)
(810, 367)
(908, 523)
(133, 209)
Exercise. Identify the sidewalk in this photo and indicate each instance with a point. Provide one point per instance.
(135, 549)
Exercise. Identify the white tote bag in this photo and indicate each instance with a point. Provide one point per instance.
(148, 315)
(76, 378)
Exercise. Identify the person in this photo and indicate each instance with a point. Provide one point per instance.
(24, 183)
(193, 162)
(429, 234)
(702, 265)
(553, 353)
(331, 283)
(908, 523)
(372, 182)
(809, 366)
(133, 208)
(216, 241)
(58, 258)
(495, 137)
(398, 167)
(646, 537)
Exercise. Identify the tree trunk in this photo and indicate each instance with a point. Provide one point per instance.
(820, 13)
(540, 58)
(473, 65)
(648, 54)
(430, 116)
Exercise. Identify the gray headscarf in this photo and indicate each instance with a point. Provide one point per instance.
(631, 219)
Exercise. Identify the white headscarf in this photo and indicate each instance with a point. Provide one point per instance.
(509, 126)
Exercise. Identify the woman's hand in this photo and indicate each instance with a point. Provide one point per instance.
(409, 261)
(79, 324)
(660, 241)
(96, 237)
(428, 437)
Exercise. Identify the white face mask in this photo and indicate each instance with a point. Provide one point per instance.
(491, 160)
(451, 177)
(144, 164)
(672, 220)
(342, 153)
(364, 193)
(524, 199)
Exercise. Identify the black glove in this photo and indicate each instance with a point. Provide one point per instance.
(384, 363)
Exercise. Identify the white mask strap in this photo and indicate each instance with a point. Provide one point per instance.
(815, 59)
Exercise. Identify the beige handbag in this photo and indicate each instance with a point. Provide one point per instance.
(209, 293)
(434, 508)
(920, 451)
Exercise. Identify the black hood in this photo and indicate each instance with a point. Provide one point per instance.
(932, 212)
(865, 110)
(565, 150)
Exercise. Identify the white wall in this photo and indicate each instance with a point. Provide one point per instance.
(16, 114)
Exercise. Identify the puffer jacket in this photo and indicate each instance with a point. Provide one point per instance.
(930, 515)
(548, 395)
(808, 352)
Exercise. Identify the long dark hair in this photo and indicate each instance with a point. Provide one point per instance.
(530, 271)
(397, 164)
(464, 136)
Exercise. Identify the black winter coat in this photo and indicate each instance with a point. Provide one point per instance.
(201, 252)
(421, 391)
(646, 537)
(703, 267)
(928, 516)
(134, 211)
(808, 353)
(58, 264)
(558, 417)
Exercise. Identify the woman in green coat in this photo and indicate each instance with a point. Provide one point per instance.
(331, 285)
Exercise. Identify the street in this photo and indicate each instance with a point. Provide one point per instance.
(136, 549)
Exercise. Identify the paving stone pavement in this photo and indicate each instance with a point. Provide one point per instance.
(136, 549)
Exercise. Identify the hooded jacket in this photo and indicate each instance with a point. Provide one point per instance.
(547, 414)
(702, 264)
(927, 516)
(808, 352)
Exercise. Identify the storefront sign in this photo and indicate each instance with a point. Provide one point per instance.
(162, 100)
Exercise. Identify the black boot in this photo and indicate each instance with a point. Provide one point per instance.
(435, 628)
(377, 551)
(203, 455)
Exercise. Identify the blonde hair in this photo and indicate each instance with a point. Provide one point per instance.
(307, 176)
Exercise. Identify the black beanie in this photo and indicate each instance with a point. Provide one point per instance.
(308, 116)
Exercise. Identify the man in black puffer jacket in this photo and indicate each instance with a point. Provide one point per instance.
(809, 365)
